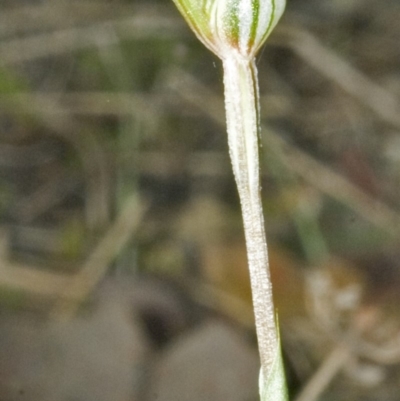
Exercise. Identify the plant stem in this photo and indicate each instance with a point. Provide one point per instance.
(242, 111)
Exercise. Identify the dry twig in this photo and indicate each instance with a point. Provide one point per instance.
(372, 95)
(144, 25)
(116, 237)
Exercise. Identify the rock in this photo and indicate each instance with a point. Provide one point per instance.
(212, 363)
(99, 356)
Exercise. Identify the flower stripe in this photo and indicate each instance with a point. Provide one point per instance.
(278, 6)
(254, 27)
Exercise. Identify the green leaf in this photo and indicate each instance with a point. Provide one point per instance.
(10, 83)
(273, 388)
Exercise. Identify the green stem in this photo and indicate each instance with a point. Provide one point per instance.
(242, 110)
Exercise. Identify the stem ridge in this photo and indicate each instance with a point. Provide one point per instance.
(242, 109)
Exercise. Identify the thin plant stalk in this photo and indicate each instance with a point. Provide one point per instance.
(235, 30)
(242, 112)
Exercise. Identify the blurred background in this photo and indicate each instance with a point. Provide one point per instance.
(123, 270)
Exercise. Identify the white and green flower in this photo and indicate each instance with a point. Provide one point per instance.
(226, 25)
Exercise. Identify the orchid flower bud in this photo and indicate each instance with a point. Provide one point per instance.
(232, 25)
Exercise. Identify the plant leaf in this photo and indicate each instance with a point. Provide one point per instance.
(273, 387)
(10, 83)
